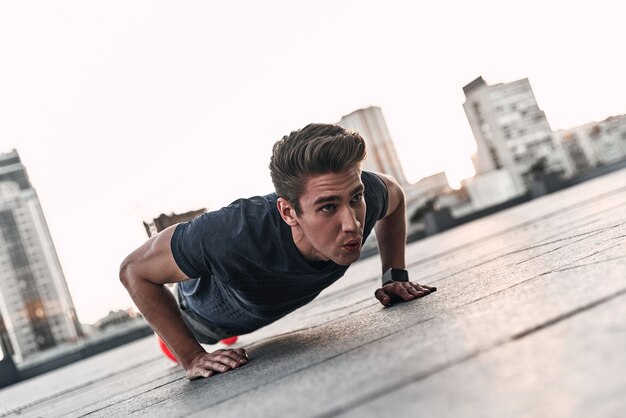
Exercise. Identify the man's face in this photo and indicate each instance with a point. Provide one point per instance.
(330, 223)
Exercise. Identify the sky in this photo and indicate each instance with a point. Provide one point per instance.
(123, 110)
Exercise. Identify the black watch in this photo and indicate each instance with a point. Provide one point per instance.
(395, 275)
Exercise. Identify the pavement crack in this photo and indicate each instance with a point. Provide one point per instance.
(573, 263)
(588, 264)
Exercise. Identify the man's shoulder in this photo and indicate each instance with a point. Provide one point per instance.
(376, 196)
(256, 208)
(243, 214)
(371, 181)
(248, 216)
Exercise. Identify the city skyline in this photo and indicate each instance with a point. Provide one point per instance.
(124, 111)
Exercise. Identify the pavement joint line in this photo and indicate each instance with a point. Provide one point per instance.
(134, 411)
(568, 315)
(109, 405)
(398, 385)
(368, 398)
(72, 389)
(617, 237)
(134, 396)
(119, 401)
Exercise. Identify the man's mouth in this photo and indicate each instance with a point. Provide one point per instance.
(352, 245)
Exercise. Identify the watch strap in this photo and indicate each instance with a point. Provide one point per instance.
(395, 275)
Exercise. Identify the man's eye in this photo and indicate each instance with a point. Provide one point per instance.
(357, 197)
(327, 208)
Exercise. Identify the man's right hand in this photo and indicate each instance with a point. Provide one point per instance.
(207, 364)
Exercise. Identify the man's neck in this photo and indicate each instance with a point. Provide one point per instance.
(310, 254)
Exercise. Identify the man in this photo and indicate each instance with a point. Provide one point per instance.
(246, 265)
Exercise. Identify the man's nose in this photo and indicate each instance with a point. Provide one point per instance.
(349, 221)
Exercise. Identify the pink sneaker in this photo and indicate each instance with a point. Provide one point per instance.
(230, 340)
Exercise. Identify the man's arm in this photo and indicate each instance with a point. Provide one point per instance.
(391, 237)
(144, 273)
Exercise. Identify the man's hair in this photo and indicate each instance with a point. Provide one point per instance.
(315, 149)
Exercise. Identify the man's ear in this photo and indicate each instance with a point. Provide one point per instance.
(287, 212)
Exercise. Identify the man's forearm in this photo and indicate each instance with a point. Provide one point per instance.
(159, 308)
(391, 237)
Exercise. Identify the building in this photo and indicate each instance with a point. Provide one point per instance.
(491, 188)
(429, 186)
(36, 310)
(381, 152)
(595, 144)
(163, 221)
(511, 132)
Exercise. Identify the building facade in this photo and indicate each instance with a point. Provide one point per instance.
(381, 152)
(596, 143)
(36, 310)
(511, 131)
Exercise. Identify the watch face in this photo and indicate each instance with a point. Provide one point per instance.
(399, 275)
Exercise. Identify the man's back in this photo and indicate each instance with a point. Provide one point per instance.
(247, 270)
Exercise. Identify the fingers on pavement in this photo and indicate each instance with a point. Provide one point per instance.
(382, 297)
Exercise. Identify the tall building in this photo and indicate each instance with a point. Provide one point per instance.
(381, 152)
(511, 131)
(36, 310)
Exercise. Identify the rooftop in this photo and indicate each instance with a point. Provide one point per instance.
(528, 320)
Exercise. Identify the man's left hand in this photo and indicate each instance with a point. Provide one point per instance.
(402, 291)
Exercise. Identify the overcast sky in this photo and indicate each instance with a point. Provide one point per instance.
(122, 110)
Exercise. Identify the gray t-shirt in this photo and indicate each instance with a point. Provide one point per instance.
(246, 270)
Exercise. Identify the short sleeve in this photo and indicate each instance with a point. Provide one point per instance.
(376, 198)
(187, 242)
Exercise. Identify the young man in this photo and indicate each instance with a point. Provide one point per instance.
(246, 265)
